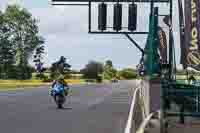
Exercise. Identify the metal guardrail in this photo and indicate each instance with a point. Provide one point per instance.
(130, 120)
(137, 102)
(145, 123)
(141, 100)
(192, 92)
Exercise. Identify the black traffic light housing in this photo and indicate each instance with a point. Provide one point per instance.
(132, 17)
(117, 19)
(102, 16)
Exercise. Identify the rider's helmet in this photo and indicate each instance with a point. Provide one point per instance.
(61, 79)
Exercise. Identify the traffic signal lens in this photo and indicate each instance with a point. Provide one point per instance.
(132, 17)
(117, 20)
(102, 16)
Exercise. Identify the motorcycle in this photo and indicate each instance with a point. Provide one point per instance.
(58, 95)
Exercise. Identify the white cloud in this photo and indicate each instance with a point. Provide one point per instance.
(59, 20)
(4, 3)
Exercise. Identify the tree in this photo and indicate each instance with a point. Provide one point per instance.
(38, 61)
(6, 58)
(128, 73)
(109, 63)
(24, 37)
(7, 51)
(92, 70)
(109, 71)
(60, 67)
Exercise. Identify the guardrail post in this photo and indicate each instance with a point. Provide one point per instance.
(198, 99)
(182, 108)
(162, 111)
(133, 128)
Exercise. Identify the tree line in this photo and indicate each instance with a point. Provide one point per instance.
(93, 71)
(106, 71)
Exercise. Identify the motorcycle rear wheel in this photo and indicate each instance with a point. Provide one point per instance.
(59, 101)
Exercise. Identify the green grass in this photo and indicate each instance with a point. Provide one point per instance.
(20, 84)
(34, 75)
(75, 81)
(17, 87)
(27, 84)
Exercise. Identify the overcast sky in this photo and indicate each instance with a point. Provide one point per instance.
(66, 33)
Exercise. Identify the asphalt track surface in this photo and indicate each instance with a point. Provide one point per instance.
(101, 108)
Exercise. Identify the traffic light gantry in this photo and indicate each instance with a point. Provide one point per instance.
(117, 17)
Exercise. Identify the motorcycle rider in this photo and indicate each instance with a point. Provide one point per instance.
(60, 83)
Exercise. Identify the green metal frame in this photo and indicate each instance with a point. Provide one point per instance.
(186, 96)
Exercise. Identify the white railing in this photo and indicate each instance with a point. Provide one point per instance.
(145, 98)
(146, 123)
(138, 100)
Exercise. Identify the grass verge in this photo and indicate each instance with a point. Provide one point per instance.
(20, 84)
(27, 84)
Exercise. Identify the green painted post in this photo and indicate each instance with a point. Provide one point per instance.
(151, 49)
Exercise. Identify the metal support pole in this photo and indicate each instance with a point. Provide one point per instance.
(170, 44)
(182, 109)
(165, 85)
(141, 50)
(198, 101)
(120, 32)
(152, 6)
(163, 114)
(182, 31)
(65, 4)
(89, 17)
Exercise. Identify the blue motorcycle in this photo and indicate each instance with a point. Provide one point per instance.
(58, 92)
